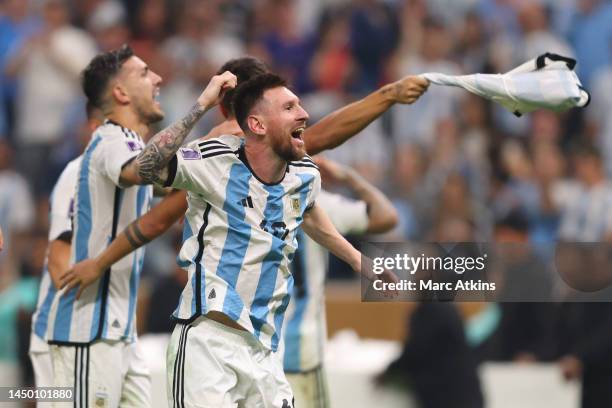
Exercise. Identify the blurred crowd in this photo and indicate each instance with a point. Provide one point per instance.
(455, 166)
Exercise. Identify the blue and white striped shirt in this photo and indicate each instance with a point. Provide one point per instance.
(103, 208)
(239, 235)
(305, 331)
(60, 221)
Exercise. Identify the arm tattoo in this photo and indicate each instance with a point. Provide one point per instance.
(135, 236)
(160, 149)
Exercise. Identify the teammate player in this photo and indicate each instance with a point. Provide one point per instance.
(305, 331)
(92, 337)
(57, 259)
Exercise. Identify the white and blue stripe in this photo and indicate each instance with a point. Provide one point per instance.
(106, 309)
(238, 263)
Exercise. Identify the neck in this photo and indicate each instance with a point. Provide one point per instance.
(128, 119)
(264, 162)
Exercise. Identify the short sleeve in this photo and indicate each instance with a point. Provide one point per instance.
(62, 202)
(348, 216)
(119, 147)
(314, 191)
(187, 170)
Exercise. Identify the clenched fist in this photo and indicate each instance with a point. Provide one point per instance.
(407, 90)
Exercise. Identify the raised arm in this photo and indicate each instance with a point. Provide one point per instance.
(148, 227)
(319, 227)
(339, 126)
(150, 166)
(382, 215)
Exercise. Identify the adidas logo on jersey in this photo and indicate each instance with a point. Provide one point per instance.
(116, 324)
(212, 294)
(246, 202)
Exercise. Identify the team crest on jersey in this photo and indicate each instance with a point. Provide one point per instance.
(190, 154)
(133, 146)
(101, 400)
(295, 205)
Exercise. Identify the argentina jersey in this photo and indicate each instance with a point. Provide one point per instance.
(239, 235)
(106, 308)
(305, 330)
(60, 222)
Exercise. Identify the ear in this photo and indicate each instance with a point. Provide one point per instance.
(119, 93)
(256, 125)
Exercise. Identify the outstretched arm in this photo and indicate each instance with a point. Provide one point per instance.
(339, 126)
(148, 227)
(319, 227)
(150, 166)
(382, 215)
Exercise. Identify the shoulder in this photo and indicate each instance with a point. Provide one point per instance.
(72, 168)
(305, 163)
(109, 131)
(223, 145)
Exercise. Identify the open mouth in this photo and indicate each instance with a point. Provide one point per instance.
(297, 133)
(156, 95)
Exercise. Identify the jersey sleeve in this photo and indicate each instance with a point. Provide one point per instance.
(119, 148)
(348, 216)
(188, 171)
(314, 191)
(62, 202)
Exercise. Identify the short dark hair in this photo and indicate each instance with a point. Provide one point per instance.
(250, 92)
(244, 68)
(101, 69)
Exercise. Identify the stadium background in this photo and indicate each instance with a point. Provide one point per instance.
(457, 167)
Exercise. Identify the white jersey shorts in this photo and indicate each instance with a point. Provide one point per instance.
(43, 372)
(211, 365)
(104, 374)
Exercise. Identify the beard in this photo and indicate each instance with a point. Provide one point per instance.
(150, 114)
(286, 151)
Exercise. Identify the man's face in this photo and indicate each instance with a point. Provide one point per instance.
(284, 120)
(141, 85)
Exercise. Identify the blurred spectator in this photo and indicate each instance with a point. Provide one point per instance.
(472, 49)
(586, 203)
(526, 330)
(419, 122)
(152, 22)
(290, 51)
(332, 65)
(549, 167)
(374, 33)
(48, 68)
(107, 23)
(16, 215)
(166, 291)
(17, 25)
(585, 337)
(537, 38)
(599, 120)
(186, 68)
(436, 363)
(17, 301)
(591, 36)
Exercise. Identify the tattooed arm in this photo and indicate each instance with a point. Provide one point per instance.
(150, 166)
(339, 126)
(148, 227)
